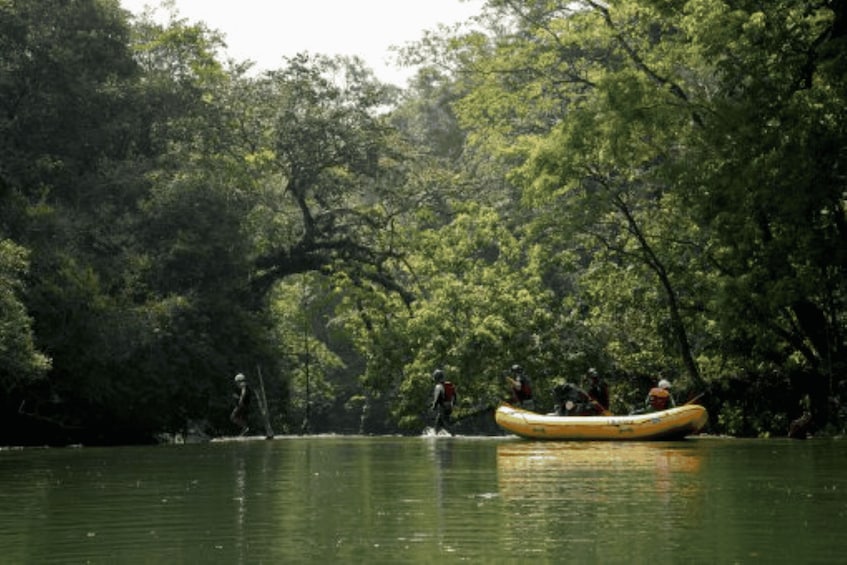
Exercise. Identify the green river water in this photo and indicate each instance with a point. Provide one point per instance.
(339, 499)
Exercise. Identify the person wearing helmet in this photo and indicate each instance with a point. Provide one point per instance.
(598, 389)
(660, 397)
(242, 409)
(521, 388)
(443, 399)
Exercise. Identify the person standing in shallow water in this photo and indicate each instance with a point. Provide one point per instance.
(242, 408)
(443, 397)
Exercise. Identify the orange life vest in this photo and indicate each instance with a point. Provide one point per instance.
(659, 398)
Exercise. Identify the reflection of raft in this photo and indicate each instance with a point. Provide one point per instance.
(675, 423)
(518, 458)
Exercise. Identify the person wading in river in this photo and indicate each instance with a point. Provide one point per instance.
(242, 408)
(443, 399)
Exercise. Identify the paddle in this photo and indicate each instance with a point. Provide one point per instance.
(461, 414)
(603, 410)
(695, 399)
(473, 411)
(599, 407)
(263, 404)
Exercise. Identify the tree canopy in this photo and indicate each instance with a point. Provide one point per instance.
(649, 188)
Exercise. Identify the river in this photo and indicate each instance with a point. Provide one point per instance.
(424, 499)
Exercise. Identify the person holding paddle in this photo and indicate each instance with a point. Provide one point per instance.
(570, 400)
(598, 389)
(521, 388)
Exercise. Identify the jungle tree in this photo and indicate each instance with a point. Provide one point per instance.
(690, 147)
(65, 134)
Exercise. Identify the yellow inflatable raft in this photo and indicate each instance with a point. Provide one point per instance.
(671, 424)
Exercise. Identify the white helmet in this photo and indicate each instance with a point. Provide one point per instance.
(240, 378)
(665, 384)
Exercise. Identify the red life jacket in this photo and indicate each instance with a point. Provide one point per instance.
(525, 392)
(449, 392)
(659, 398)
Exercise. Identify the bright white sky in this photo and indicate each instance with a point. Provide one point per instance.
(264, 31)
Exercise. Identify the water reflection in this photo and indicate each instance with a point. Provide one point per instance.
(529, 469)
(389, 500)
(441, 454)
(240, 498)
(526, 455)
(580, 492)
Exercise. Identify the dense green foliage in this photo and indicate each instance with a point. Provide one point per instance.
(650, 188)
